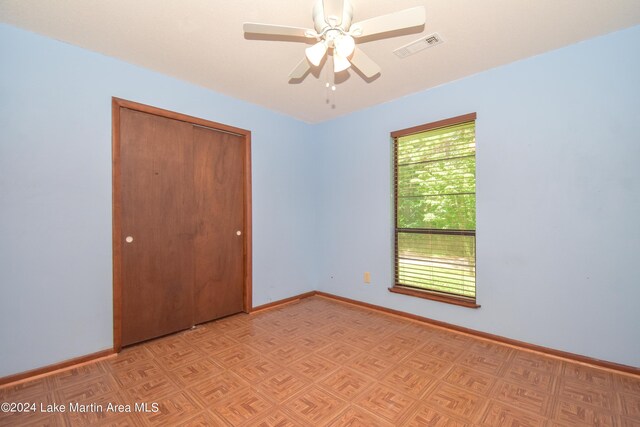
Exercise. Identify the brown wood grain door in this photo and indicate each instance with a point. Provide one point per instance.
(181, 221)
(157, 225)
(219, 216)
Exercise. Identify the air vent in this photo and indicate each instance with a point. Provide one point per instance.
(418, 45)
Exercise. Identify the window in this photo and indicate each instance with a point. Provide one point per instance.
(435, 211)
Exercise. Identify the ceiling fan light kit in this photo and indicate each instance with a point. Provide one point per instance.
(316, 52)
(344, 45)
(340, 63)
(333, 29)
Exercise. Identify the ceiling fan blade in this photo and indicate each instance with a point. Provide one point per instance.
(407, 18)
(277, 30)
(362, 62)
(301, 69)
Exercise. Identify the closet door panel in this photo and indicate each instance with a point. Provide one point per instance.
(157, 225)
(218, 161)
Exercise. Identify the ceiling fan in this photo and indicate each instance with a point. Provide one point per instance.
(334, 30)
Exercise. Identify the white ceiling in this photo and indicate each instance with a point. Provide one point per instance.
(201, 41)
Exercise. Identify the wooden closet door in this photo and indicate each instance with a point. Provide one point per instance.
(157, 216)
(219, 211)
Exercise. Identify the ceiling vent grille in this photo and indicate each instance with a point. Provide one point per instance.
(418, 45)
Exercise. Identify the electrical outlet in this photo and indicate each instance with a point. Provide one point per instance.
(367, 277)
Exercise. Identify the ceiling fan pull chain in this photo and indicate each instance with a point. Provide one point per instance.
(330, 87)
(327, 85)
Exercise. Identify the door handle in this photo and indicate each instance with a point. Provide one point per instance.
(238, 233)
(128, 239)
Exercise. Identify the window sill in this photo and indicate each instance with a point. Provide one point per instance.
(464, 302)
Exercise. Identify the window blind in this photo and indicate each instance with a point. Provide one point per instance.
(436, 210)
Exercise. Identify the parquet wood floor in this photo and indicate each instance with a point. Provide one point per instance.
(319, 362)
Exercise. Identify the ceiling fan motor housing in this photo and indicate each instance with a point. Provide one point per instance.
(332, 14)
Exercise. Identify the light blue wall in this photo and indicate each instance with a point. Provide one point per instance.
(55, 194)
(558, 198)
